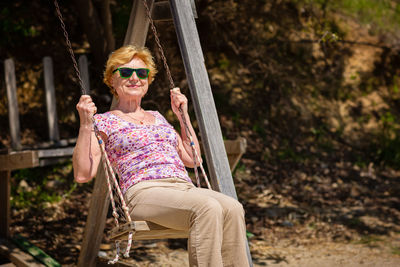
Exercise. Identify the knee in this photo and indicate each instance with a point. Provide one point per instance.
(210, 207)
(234, 209)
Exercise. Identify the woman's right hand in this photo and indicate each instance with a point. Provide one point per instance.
(86, 109)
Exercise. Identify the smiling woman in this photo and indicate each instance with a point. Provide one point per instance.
(150, 157)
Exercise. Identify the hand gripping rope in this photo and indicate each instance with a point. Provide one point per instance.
(112, 182)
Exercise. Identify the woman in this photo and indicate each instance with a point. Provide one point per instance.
(149, 157)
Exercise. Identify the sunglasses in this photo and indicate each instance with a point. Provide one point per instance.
(126, 73)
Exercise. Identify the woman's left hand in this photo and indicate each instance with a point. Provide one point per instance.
(178, 100)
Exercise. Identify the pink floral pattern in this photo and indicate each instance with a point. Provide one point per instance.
(141, 152)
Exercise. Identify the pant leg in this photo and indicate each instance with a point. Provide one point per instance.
(234, 229)
(172, 203)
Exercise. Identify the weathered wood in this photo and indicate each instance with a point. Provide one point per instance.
(200, 89)
(13, 113)
(206, 114)
(19, 160)
(84, 71)
(55, 152)
(95, 222)
(144, 230)
(235, 150)
(16, 255)
(162, 11)
(138, 23)
(135, 35)
(50, 93)
(5, 188)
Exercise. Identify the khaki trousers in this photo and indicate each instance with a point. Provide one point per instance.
(215, 222)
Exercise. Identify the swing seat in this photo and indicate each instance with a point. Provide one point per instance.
(143, 230)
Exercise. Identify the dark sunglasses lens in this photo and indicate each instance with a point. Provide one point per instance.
(126, 72)
(142, 73)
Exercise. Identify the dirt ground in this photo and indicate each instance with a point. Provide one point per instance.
(285, 253)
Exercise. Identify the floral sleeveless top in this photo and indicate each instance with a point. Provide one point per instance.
(141, 152)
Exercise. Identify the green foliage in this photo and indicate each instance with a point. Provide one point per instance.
(383, 14)
(396, 251)
(15, 28)
(35, 187)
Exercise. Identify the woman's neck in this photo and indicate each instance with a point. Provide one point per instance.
(130, 106)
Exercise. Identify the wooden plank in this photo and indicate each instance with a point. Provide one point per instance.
(202, 97)
(52, 118)
(16, 255)
(144, 231)
(84, 70)
(5, 190)
(138, 26)
(94, 228)
(19, 160)
(13, 113)
(95, 222)
(235, 150)
(162, 11)
(199, 84)
(55, 152)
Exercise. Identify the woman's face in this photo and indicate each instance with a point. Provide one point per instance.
(133, 87)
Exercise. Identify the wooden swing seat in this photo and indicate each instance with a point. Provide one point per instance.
(144, 230)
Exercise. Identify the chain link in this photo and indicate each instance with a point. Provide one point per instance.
(71, 52)
(164, 59)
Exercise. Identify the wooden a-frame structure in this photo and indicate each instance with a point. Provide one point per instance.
(183, 13)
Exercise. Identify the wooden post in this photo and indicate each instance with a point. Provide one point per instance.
(99, 202)
(200, 89)
(138, 23)
(206, 113)
(95, 222)
(84, 70)
(13, 118)
(52, 118)
(5, 177)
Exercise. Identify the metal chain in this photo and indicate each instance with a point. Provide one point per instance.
(164, 59)
(71, 52)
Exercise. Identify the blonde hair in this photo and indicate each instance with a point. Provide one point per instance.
(122, 56)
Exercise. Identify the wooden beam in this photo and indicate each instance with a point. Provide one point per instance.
(203, 100)
(5, 189)
(138, 26)
(50, 93)
(55, 152)
(206, 113)
(84, 70)
(13, 113)
(19, 160)
(162, 11)
(235, 150)
(95, 222)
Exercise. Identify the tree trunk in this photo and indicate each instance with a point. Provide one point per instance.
(107, 22)
(94, 30)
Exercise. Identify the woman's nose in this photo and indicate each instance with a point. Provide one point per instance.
(134, 76)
